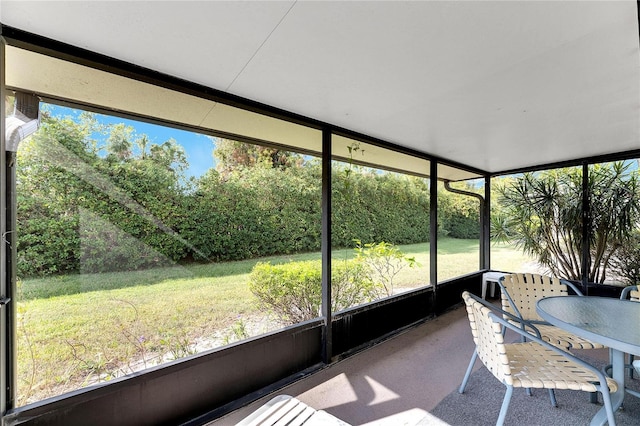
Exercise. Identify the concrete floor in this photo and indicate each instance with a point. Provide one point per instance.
(395, 382)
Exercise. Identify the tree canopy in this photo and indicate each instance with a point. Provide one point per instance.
(232, 155)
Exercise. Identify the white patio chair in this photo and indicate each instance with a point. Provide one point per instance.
(531, 364)
(521, 292)
(519, 295)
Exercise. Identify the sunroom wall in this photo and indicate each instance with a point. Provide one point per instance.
(352, 329)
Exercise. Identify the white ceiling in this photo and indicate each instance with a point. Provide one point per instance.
(494, 85)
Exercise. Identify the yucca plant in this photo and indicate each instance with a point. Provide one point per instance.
(543, 215)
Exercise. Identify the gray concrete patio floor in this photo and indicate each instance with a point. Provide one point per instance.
(396, 382)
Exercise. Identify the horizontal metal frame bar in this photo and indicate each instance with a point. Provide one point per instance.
(36, 43)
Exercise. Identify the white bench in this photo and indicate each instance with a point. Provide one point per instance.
(286, 410)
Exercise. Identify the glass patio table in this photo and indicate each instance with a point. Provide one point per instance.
(612, 322)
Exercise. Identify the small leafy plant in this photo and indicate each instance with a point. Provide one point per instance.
(383, 261)
(238, 331)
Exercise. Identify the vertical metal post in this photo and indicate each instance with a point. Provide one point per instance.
(433, 224)
(327, 335)
(26, 111)
(9, 297)
(586, 228)
(5, 333)
(486, 226)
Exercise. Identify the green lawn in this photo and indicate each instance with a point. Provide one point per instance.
(77, 330)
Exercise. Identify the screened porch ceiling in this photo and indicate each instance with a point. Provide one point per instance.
(494, 86)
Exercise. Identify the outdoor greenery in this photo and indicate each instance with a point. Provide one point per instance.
(626, 263)
(96, 198)
(383, 262)
(76, 330)
(543, 215)
(293, 291)
(125, 263)
(458, 216)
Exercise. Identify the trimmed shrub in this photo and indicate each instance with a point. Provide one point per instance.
(367, 206)
(293, 291)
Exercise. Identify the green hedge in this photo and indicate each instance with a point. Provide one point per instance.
(80, 211)
(378, 207)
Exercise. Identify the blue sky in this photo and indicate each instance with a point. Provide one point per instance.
(198, 147)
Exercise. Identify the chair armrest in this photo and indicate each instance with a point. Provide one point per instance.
(572, 286)
(524, 324)
(625, 291)
(601, 377)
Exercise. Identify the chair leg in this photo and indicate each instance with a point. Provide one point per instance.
(474, 357)
(505, 406)
(552, 396)
(606, 399)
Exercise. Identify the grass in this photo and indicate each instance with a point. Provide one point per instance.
(77, 330)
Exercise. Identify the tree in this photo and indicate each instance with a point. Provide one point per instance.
(170, 155)
(49, 186)
(545, 216)
(81, 211)
(233, 154)
(383, 262)
(119, 141)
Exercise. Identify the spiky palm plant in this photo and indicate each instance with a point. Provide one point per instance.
(543, 215)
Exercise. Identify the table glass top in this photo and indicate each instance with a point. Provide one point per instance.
(612, 322)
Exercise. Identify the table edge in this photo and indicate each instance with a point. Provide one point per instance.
(598, 338)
